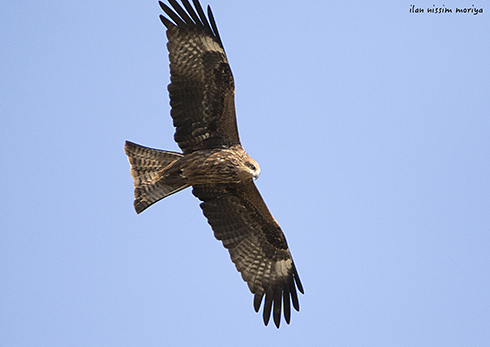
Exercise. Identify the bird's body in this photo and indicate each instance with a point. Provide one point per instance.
(214, 162)
(227, 165)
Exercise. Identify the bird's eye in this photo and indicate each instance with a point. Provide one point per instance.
(252, 166)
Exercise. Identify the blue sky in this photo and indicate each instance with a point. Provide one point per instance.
(371, 126)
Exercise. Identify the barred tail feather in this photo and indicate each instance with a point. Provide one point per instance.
(147, 165)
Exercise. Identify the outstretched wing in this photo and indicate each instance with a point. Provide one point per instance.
(202, 89)
(257, 246)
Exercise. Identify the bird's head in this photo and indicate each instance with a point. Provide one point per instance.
(253, 168)
(247, 167)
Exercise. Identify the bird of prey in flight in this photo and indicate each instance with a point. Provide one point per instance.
(214, 162)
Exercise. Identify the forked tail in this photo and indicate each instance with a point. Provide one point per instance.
(147, 165)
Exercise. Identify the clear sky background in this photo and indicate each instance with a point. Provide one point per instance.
(372, 129)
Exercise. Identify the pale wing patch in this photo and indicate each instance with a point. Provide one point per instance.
(283, 267)
(211, 45)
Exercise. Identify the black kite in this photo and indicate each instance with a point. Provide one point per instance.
(213, 161)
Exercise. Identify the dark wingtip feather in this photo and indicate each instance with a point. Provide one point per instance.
(257, 301)
(192, 17)
(191, 11)
(274, 299)
(214, 26)
(168, 24)
(287, 305)
(298, 282)
(294, 296)
(180, 11)
(200, 12)
(267, 307)
(277, 308)
(173, 16)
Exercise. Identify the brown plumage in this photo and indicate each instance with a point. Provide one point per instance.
(214, 163)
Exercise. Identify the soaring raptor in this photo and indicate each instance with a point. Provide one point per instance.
(214, 162)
